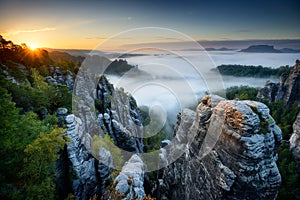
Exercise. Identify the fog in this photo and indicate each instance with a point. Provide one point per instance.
(169, 82)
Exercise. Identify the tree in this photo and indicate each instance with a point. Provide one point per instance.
(16, 132)
(39, 170)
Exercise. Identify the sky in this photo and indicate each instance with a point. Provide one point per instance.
(85, 24)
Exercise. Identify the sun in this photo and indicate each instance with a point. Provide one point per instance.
(32, 46)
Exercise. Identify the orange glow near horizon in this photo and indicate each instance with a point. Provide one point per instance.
(32, 46)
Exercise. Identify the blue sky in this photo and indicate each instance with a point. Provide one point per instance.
(81, 24)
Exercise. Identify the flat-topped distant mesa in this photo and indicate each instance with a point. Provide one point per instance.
(261, 49)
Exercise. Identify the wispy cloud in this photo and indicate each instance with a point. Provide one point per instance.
(31, 31)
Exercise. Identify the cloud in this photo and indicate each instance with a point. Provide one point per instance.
(31, 31)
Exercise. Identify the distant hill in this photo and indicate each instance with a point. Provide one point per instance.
(268, 49)
(219, 49)
(58, 55)
(261, 49)
(288, 50)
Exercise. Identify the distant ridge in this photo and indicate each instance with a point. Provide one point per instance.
(261, 49)
(268, 49)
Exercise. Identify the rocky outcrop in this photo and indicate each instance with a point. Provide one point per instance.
(130, 181)
(60, 77)
(295, 141)
(232, 155)
(89, 175)
(119, 116)
(100, 109)
(287, 90)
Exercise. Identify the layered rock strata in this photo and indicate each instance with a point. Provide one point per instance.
(232, 156)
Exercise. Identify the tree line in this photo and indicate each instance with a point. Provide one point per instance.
(253, 71)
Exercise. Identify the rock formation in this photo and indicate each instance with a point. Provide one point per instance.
(118, 116)
(295, 141)
(89, 176)
(287, 90)
(130, 181)
(59, 77)
(232, 156)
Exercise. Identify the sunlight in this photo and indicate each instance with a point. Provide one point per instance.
(32, 46)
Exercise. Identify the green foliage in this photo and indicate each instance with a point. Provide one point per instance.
(253, 71)
(41, 95)
(290, 178)
(284, 116)
(60, 96)
(15, 71)
(39, 171)
(242, 92)
(154, 142)
(108, 143)
(16, 132)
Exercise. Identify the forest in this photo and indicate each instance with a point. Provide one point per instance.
(253, 71)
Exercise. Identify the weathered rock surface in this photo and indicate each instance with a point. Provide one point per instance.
(295, 141)
(60, 77)
(90, 176)
(130, 181)
(287, 90)
(232, 156)
(105, 110)
(99, 110)
(119, 117)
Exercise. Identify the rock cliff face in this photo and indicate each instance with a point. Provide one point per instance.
(288, 89)
(232, 156)
(89, 175)
(295, 141)
(118, 116)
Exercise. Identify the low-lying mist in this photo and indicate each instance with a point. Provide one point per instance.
(168, 83)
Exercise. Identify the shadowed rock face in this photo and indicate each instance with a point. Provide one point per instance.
(287, 90)
(233, 154)
(295, 141)
(118, 116)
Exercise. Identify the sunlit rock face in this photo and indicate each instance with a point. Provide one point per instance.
(295, 141)
(232, 156)
(287, 90)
